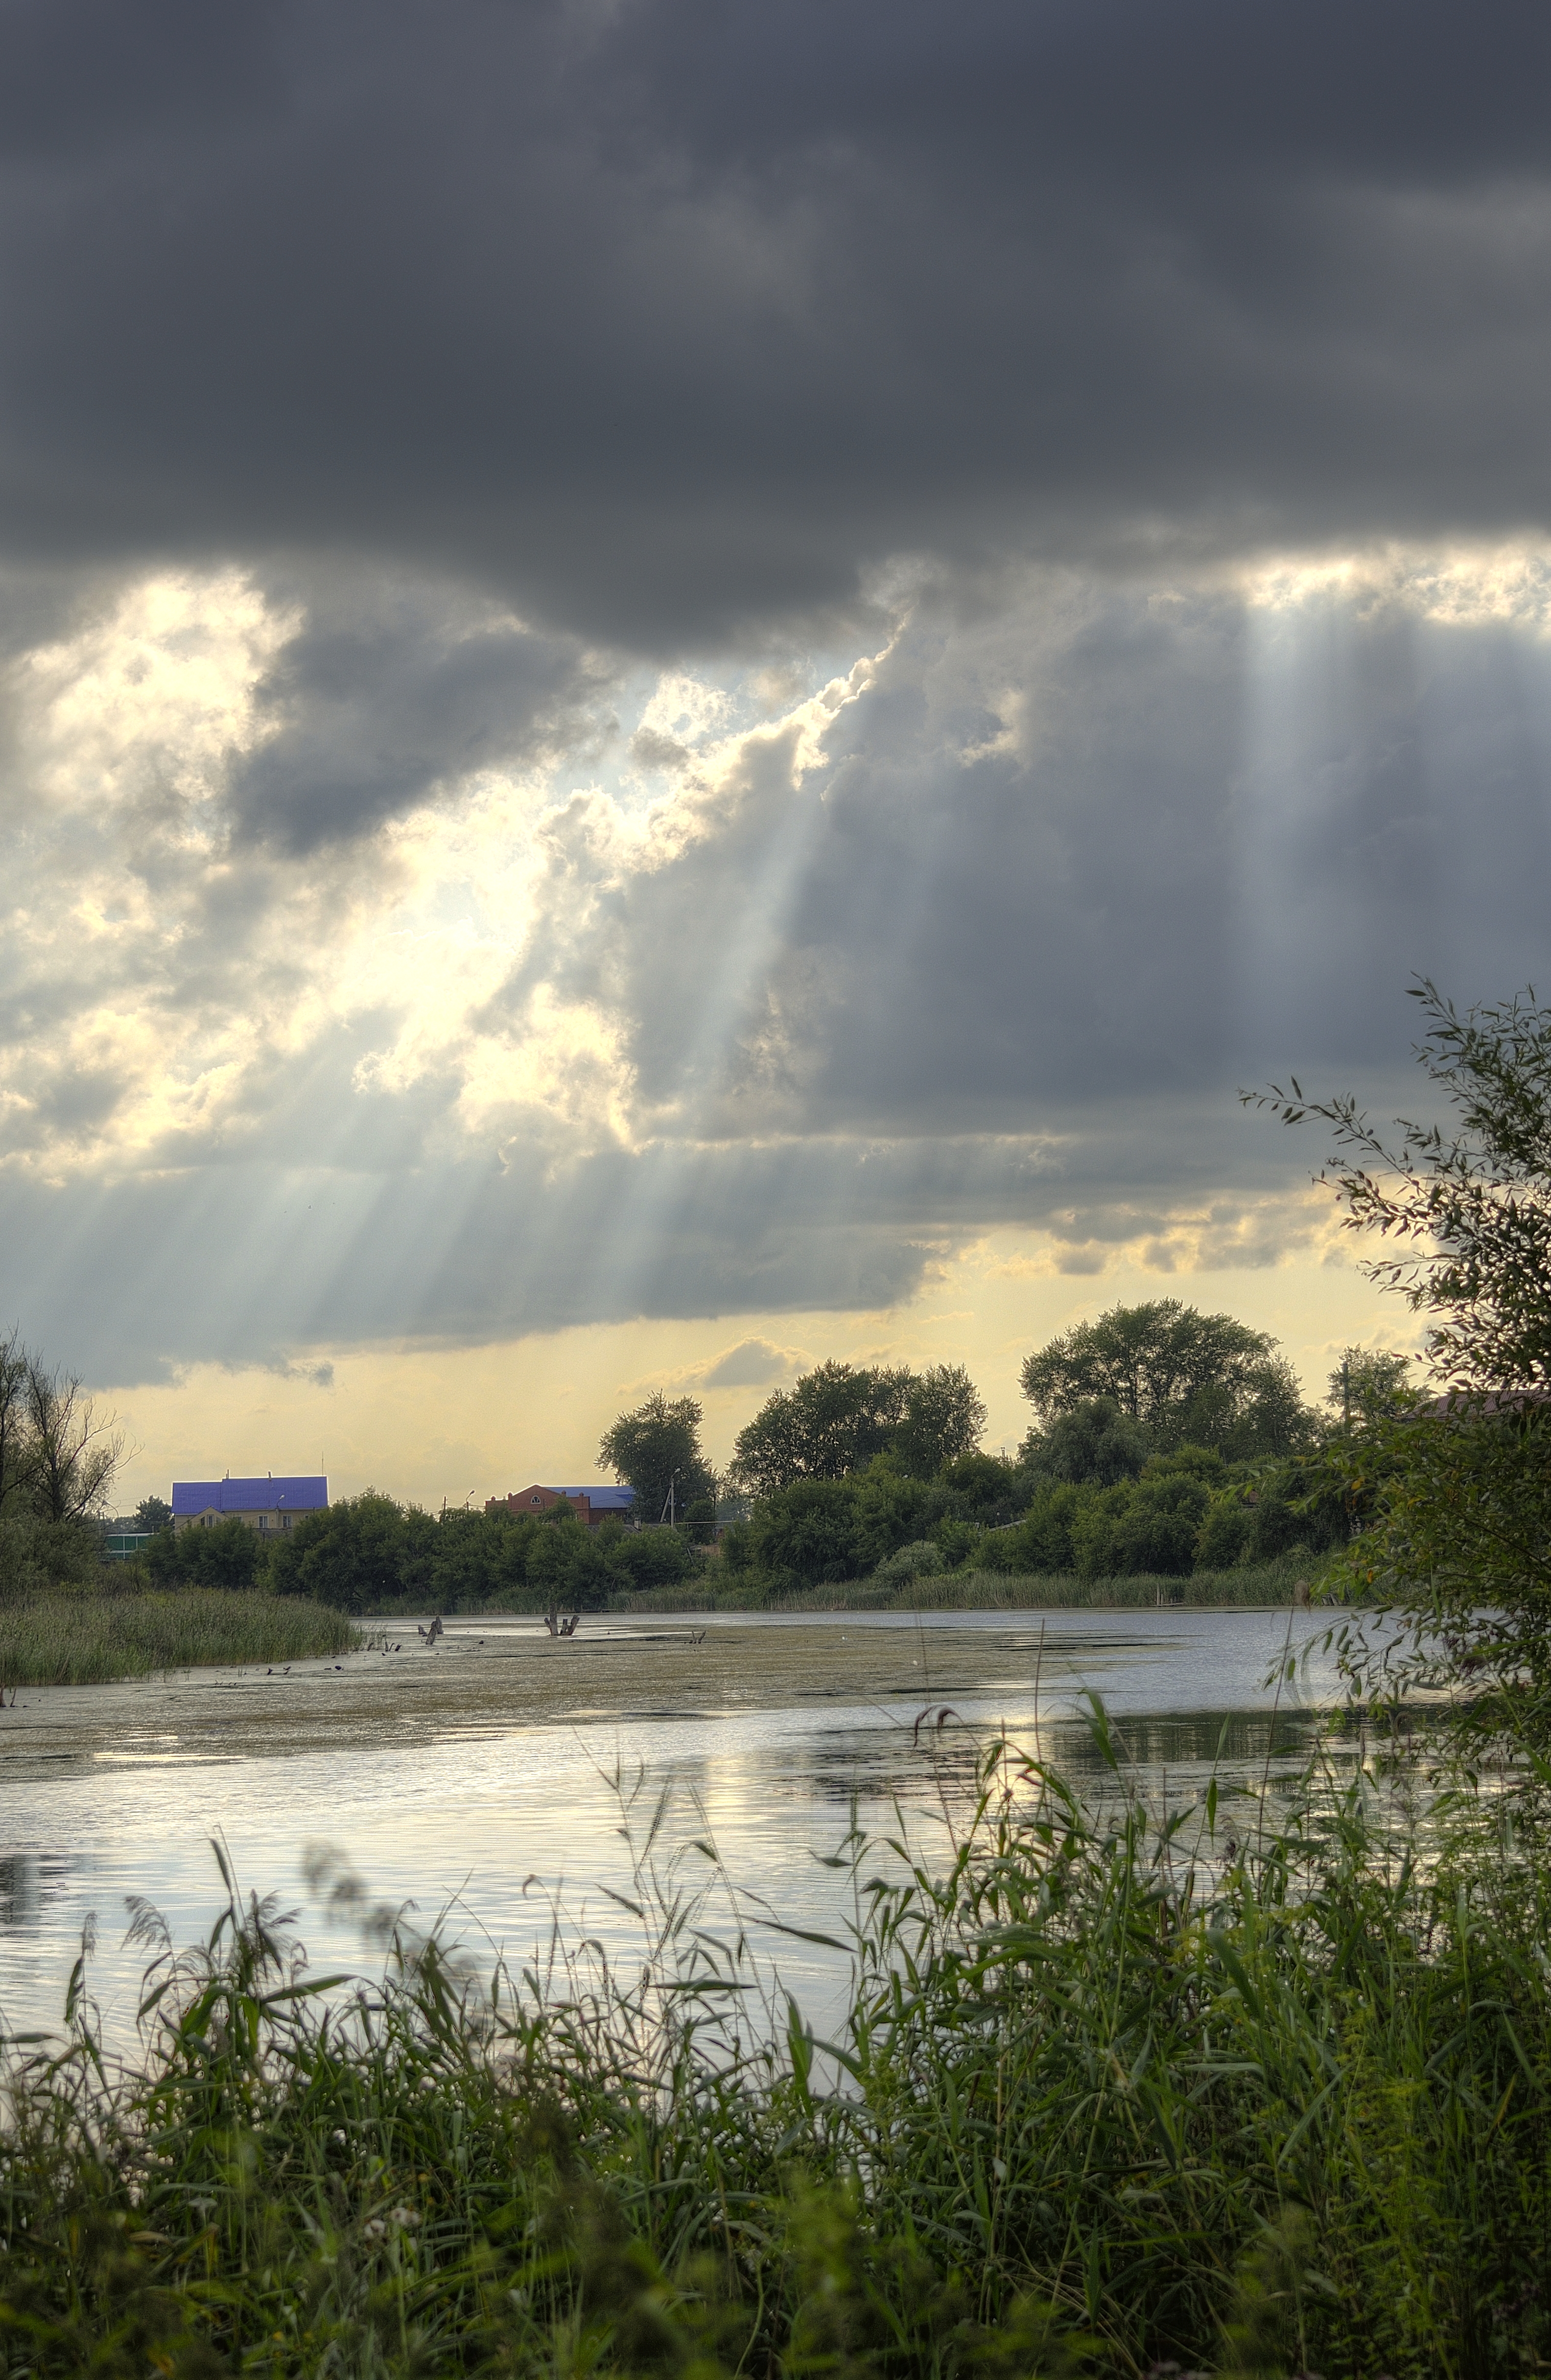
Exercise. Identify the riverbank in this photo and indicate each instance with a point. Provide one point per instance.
(86, 1639)
(1267, 1585)
(1118, 2094)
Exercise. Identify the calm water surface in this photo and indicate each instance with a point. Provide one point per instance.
(501, 1774)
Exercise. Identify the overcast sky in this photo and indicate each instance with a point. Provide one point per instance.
(703, 675)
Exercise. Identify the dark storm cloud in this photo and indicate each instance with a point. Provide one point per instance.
(387, 691)
(674, 317)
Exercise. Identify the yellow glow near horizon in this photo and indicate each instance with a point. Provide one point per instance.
(465, 1423)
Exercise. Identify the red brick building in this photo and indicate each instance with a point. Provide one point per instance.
(590, 1505)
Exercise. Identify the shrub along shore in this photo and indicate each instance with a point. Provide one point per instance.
(85, 1639)
(1231, 2092)
(1260, 1586)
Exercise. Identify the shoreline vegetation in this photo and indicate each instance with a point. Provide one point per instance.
(87, 1637)
(92, 1638)
(1257, 2083)
(1259, 1588)
(1246, 2088)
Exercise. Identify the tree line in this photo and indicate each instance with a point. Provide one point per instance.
(370, 1553)
(1163, 1440)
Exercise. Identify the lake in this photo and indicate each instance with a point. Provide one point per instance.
(500, 1775)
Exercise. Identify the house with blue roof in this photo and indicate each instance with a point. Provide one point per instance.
(269, 1505)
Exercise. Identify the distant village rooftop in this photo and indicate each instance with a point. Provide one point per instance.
(264, 1503)
(590, 1505)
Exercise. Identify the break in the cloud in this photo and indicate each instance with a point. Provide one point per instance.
(982, 932)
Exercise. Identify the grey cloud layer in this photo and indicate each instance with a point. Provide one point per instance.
(1102, 849)
(674, 317)
(388, 689)
(1053, 881)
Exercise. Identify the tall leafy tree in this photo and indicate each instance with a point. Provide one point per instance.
(944, 1416)
(1457, 1487)
(656, 1446)
(836, 1419)
(1183, 1377)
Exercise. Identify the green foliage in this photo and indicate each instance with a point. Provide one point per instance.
(648, 1557)
(1095, 1444)
(1368, 1384)
(1455, 1494)
(1042, 1542)
(657, 1447)
(737, 1548)
(810, 1529)
(837, 1420)
(983, 1487)
(347, 1557)
(225, 1556)
(944, 1416)
(1226, 1535)
(38, 1556)
(1179, 1376)
(366, 1553)
(700, 1521)
(1115, 2093)
(922, 1560)
(832, 1422)
(153, 1512)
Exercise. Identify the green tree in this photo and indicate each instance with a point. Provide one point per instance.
(809, 1528)
(1457, 1488)
(983, 1487)
(655, 1447)
(1183, 1377)
(227, 1555)
(944, 1416)
(151, 1513)
(1368, 1384)
(641, 1558)
(836, 1419)
(348, 1556)
(1094, 1441)
(1042, 1542)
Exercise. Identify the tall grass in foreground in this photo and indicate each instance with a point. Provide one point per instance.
(80, 1640)
(986, 1590)
(1117, 2093)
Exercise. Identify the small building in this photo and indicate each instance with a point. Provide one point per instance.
(123, 1545)
(269, 1505)
(590, 1505)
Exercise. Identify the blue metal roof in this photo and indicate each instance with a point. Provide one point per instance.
(604, 1500)
(191, 1497)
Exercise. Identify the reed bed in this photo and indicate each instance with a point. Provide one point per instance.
(1249, 1588)
(1119, 2092)
(87, 1639)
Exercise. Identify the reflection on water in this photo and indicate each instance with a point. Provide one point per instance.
(29, 1882)
(490, 1775)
